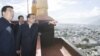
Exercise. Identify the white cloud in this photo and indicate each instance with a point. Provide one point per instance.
(79, 17)
(96, 10)
(4, 2)
(55, 5)
(76, 17)
(83, 14)
(69, 2)
(59, 11)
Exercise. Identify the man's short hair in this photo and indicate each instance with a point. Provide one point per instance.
(20, 16)
(4, 8)
(28, 16)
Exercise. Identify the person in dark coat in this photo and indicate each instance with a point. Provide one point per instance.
(13, 25)
(7, 42)
(20, 22)
(17, 26)
(27, 36)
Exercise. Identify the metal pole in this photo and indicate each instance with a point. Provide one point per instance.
(27, 7)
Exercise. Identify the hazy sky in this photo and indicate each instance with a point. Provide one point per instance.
(64, 11)
(74, 11)
(20, 6)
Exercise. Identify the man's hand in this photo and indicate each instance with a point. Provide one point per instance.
(18, 51)
(53, 22)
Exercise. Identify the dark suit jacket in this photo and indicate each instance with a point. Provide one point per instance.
(27, 38)
(15, 28)
(7, 42)
(47, 36)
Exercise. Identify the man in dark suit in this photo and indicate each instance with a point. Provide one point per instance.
(16, 28)
(7, 42)
(27, 36)
(20, 22)
(20, 19)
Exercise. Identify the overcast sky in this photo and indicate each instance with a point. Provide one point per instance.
(20, 6)
(64, 11)
(74, 11)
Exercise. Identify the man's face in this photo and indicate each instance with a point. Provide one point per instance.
(9, 13)
(21, 20)
(31, 19)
